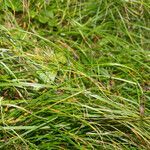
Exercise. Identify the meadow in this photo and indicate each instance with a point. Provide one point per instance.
(75, 74)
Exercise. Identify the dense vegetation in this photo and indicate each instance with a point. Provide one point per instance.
(74, 74)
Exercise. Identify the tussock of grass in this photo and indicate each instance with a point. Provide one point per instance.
(74, 74)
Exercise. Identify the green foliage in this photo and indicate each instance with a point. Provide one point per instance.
(74, 74)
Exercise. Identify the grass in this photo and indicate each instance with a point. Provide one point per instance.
(74, 75)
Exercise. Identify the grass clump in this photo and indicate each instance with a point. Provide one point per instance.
(74, 74)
